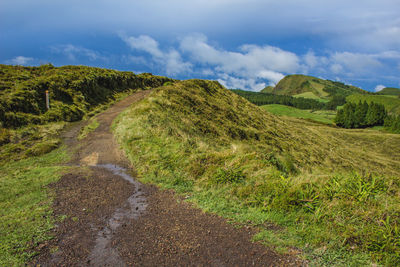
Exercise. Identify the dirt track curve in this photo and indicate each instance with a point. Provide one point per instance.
(110, 219)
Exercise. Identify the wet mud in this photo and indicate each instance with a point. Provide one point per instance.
(103, 252)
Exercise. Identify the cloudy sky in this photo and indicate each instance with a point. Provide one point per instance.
(246, 44)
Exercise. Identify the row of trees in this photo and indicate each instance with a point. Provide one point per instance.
(260, 99)
(361, 115)
(392, 124)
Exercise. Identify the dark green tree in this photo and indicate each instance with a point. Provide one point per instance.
(360, 115)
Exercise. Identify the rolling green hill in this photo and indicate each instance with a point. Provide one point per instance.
(312, 87)
(267, 89)
(329, 188)
(389, 91)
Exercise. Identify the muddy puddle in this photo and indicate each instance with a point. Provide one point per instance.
(103, 252)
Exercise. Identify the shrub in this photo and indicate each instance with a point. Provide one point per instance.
(228, 175)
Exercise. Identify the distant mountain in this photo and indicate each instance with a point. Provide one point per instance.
(389, 91)
(311, 87)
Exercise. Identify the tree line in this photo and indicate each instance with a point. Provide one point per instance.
(260, 99)
(364, 115)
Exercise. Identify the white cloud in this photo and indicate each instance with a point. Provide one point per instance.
(171, 60)
(273, 58)
(356, 62)
(272, 76)
(144, 43)
(252, 65)
(72, 52)
(379, 87)
(240, 83)
(20, 60)
(336, 68)
(310, 59)
(207, 72)
(250, 60)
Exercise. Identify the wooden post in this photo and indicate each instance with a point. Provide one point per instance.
(47, 100)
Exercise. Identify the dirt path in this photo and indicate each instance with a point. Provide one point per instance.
(110, 219)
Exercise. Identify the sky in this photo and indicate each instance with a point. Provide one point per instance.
(246, 44)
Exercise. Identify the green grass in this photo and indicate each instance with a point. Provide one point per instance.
(308, 95)
(90, 127)
(31, 140)
(389, 91)
(318, 116)
(25, 205)
(333, 193)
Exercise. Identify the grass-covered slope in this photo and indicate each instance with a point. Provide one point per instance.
(390, 91)
(73, 90)
(312, 87)
(267, 89)
(27, 128)
(335, 192)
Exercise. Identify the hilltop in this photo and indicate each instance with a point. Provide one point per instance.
(389, 91)
(312, 87)
(302, 86)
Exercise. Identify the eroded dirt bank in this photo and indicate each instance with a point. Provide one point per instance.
(110, 219)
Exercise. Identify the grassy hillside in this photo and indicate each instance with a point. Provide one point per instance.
(392, 105)
(73, 90)
(27, 128)
(334, 193)
(323, 116)
(312, 87)
(267, 89)
(389, 91)
(260, 99)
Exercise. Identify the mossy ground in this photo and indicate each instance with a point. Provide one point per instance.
(334, 193)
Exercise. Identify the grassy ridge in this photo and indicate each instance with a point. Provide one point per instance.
(312, 87)
(323, 116)
(392, 105)
(73, 90)
(389, 91)
(229, 157)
